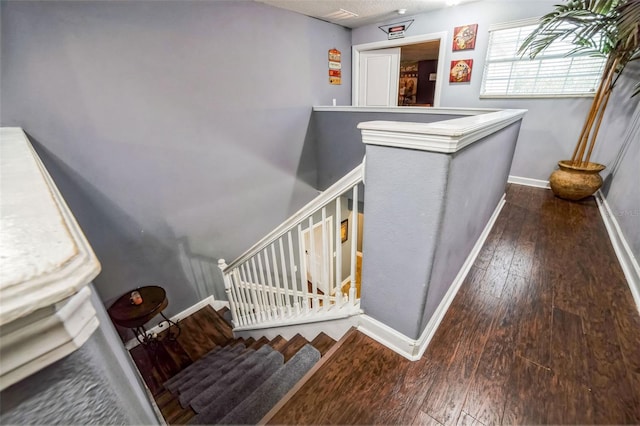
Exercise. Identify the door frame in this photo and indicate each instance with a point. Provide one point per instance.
(355, 62)
(331, 250)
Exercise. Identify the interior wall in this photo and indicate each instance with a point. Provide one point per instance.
(551, 126)
(168, 123)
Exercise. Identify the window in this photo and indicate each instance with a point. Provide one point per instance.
(552, 73)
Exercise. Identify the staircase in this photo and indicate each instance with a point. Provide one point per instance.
(236, 381)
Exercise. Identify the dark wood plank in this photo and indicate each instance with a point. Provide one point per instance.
(444, 401)
(323, 343)
(293, 346)
(424, 419)
(466, 419)
(488, 389)
(259, 343)
(528, 393)
(278, 343)
(613, 397)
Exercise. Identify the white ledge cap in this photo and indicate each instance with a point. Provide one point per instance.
(44, 256)
(442, 136)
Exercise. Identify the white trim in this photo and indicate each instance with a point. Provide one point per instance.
(347, 182)
(514, 24)
(334, 328)
(43, 337)
(45, 256)
(413, 349)
(627, 260)
(355, 59)
(215, 304)
(407, 110)
(536, 183)
(442, 136)
(333, 313)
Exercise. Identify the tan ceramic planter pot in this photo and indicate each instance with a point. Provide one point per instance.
(576, 181)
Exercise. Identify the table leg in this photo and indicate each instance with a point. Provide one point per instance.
(169, 335)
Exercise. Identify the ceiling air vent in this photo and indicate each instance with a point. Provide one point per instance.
(339, 15)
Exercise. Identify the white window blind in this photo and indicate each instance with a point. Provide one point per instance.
(552, 73)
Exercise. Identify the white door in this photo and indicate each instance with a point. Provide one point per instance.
(379, 75)
(315, 266)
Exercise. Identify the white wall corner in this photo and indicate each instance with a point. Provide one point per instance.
(625, 256)
(536, 183)
(414, 349)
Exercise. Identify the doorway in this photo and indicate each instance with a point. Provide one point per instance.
(410, 44)
(316, 256)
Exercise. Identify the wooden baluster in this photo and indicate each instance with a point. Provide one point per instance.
(251, 268)
(276, 308)
(327, 258)
(354, 246)
(240, 307)
(303, 271)
(267, 296)
(338, 224)
(314, 269)
(256, 314)
(285, 279)
(286, 308)
(246, 309)
(228, 286)
(294, 284)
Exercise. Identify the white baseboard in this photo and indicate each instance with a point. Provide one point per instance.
(413, 349)
(216, 304)
(538, 183)
(623, 251)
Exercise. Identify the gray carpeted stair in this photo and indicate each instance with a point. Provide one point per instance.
(239, 385)
(256, 405)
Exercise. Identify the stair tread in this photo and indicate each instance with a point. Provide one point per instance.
(323, 343)
(250, 341)
(293, 346)
(278, 343)
(210, 376)
(213, 359)
(230, 390)
(255, 406)
(259, 343)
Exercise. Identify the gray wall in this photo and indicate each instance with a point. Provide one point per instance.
(475, 185)
(169, 122)
(619, 148)
(94, 385)
(551, 126)
(424, 212)
(338, 142)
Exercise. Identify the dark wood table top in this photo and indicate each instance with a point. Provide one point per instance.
(124, 313)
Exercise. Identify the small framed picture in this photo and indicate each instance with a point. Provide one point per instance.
(460, 71)
(464, 37)
(344, 230)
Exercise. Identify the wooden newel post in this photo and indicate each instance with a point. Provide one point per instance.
(222, 264)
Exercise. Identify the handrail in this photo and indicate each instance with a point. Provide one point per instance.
(346, 182)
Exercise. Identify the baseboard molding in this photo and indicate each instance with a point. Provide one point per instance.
(413, 349)
(622, 249)
(215, 304)
(537, 183)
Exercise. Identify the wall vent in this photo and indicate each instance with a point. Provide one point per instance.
(339, 15)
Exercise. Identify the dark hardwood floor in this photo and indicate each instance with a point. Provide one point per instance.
(544, 330)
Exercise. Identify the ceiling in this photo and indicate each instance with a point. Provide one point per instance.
(367, 11)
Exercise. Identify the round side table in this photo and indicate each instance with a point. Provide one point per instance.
(127, 314)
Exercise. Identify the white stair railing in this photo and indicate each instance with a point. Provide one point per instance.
(295, 274)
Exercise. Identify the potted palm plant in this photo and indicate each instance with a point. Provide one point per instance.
(610, 28)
